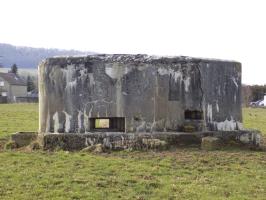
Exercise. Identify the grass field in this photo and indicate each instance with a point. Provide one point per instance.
(255, 118)
(183, 173)
(18, 117)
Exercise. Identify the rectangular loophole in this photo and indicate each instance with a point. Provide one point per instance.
(107, 124)
(102, 123)
(193, 114)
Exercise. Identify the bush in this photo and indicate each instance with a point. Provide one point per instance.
(10, 145)
(35, 145)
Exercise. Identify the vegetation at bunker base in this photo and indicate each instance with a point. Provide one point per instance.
(176, 174)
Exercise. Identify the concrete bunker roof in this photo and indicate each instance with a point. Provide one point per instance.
(131, 58)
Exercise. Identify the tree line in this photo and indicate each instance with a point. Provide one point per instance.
(251, 93)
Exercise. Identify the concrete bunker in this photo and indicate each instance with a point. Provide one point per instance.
(138, 94)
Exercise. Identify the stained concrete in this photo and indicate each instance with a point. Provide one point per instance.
(119, 141)
(150, 93)
(145, 141)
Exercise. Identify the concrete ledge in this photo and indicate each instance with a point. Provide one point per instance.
(211, 143)
(247, 137)
(117, 141)
(158, 140)
(22, 139)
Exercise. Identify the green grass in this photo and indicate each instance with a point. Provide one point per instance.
(18, 117)
(181, 174)
(255, 118)
(178, 174)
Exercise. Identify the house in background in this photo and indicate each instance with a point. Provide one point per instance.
(11, 87)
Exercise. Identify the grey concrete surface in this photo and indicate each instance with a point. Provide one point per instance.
(139, 93)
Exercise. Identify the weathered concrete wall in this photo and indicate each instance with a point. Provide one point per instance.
(221, 85)
(144, 141)
(151, 93)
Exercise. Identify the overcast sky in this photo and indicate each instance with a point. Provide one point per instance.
(226, 29)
